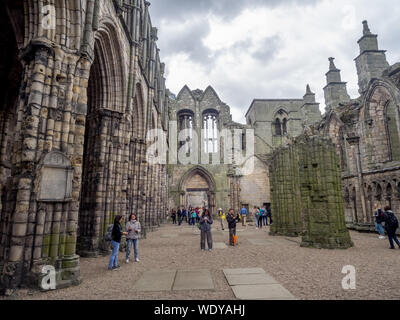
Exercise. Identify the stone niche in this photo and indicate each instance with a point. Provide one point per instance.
(56, 178)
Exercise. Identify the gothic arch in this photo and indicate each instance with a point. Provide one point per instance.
(110, 68)
(382, 111)
(208, 190)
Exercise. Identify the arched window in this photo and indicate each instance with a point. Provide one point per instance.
(392, 124)
(210, 127)
(389, 192)
(186, 123)
(284, 126)
(378, 194)
(278, 130)
(280, 123)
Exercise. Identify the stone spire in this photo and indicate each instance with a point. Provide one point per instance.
(336, 90)
(310, 108)
(371, 62)
(366, 28)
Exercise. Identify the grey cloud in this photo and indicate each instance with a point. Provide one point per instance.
(188, 41)
(181, 9)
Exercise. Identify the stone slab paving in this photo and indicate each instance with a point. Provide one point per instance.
(155, 280)
(193, 280)
(262, 292)
(243, 271)
(242, 279)
(219, 245)
(255, 284)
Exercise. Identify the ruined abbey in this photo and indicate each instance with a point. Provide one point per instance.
(83, 84)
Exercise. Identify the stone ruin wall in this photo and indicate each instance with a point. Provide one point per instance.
(306, 194)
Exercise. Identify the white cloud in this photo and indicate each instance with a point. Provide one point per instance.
(272, 51)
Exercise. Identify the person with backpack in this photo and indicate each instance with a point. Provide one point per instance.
(243, 213)
(231, 219)
(378, 220)
(116, 236)
(205, 228)
(391, 225)
(133, 228)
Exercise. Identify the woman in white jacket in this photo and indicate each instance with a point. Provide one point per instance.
(133, 228)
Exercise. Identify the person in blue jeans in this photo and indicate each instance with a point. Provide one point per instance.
(378, 220)
(133, 228)
(391, 225)
(115, 242)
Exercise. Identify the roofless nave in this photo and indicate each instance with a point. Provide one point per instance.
(77, 100)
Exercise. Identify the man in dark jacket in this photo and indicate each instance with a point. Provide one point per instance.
(231, 219)
(391, 225)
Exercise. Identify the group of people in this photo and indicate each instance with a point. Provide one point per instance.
(204, 220)
(387, 217)
(190, 215)
(132, 233)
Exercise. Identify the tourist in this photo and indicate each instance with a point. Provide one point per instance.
(184, 214)
(256, 213)
(260, 217)
(205, 228)
(193, 218)
(378, 220)
(269, 215)
(391, 225)
(179, 216)
(231, 219)
(222, 217)
(133, 228)
(115, 242)
(243, 213)
(173, 216)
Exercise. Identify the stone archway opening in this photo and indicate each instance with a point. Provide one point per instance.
(11, 71)
(100, 198)
(198, 190)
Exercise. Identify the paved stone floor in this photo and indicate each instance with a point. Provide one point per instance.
(184, 272)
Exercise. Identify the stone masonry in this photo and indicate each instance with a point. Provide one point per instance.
(73, 131)
(306, 193)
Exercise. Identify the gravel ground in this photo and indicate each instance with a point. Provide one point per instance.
(307, 273)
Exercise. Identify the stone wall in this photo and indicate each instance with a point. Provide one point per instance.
(89, 91)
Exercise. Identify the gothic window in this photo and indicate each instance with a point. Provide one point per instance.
(186, 123)
(392, 124)
(284, 126)
(210, 127)
(280, 123)
(389, 194)
(378, 195)
(278, 130)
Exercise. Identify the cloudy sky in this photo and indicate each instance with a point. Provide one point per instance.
(250, 49)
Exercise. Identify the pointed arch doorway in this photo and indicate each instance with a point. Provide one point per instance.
(197, 189)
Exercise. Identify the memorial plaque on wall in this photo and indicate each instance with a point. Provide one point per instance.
(56, 178)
